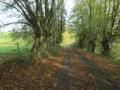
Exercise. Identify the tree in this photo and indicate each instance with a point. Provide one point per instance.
(41, 17)
(110, 34)
(100, 22)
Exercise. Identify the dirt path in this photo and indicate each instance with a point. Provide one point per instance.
(64, 77)
(69, 70)
(104, 81)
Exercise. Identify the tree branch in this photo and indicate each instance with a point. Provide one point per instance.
(37, 8)
(15, 23)
(2, 21)
(29, 10)
(24, 12)
(12, 6)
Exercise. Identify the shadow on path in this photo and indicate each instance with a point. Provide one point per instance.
(64, 76)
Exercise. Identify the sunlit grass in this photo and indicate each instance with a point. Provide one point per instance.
(115, 53)
(9, 46)
(14, 49)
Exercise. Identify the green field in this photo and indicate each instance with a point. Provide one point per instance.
(14, 49)
(9, 49)
(7, 45)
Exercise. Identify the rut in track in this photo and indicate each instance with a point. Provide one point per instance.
(103, 80)
(65, 74)
(64, 77)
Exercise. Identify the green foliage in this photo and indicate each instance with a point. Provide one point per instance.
(54, 50)
(21, 57)
(96, 25)
(13, 49)
(10, 50)
(24, 35)
(5, 39)
(7, 45)
(42, 22)
(68, 37)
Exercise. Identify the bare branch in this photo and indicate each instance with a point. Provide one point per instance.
(15, 23)
(24, 12)
(37, 7)
(2, 21)
(12, 6)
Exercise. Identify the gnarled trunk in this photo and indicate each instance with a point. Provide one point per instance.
(88, 46)
(105, 46)
(37, 47)
(81, 43)
(91, 45)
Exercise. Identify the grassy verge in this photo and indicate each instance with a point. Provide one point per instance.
(114, 53)
(14, 49)
(10, 53)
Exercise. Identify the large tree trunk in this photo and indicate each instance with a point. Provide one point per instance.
(81, 43)
(37, 47)
(105, 41)
(105, 46)
(91, 45)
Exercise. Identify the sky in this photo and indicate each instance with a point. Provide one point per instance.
(5, 16)
(69, 5)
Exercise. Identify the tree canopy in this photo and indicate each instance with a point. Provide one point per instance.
(46, 18)
(96, 22)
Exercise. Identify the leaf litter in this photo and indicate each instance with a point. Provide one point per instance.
(41, 75)
(111, 68)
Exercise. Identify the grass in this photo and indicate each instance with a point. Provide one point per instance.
(14, 49)
(5, 39)
(115, 53)
(7, 47)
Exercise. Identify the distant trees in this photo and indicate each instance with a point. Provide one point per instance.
(100, 22)
(45, 17)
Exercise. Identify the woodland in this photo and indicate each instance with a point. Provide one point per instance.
(48, 48)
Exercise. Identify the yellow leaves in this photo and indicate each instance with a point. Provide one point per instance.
(43, 89)
(38, 23)
(83, 78)
(108, 66)
(1, 88)
(15, 89)
(4, 73)
(39, 76)
(11, 71)
(91, 75)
